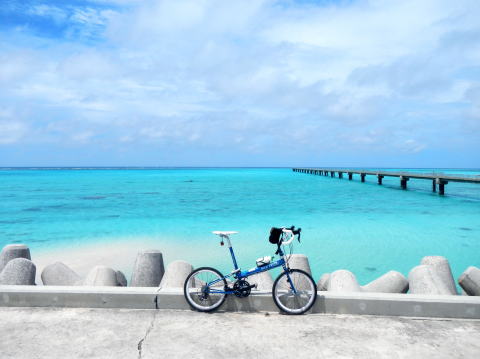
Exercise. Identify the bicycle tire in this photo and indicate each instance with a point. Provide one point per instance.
(284, 308)
(196, 306)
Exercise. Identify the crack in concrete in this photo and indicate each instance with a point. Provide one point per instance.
(149, 328)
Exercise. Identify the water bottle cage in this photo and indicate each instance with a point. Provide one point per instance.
(264, 261)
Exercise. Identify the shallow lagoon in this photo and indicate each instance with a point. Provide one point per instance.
(363, 227)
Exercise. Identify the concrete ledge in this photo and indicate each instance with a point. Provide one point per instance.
(78, 297)
(407, 305)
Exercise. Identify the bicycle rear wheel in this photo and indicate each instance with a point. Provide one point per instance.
(202, 296)
(298, 301)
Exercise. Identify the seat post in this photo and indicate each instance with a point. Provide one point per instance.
(229, 244)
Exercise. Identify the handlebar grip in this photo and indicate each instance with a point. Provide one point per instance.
(297, 232)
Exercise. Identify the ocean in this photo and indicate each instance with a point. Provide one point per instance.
(363, 227)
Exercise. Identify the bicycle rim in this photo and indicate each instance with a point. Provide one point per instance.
(298, 301)
(197, 291)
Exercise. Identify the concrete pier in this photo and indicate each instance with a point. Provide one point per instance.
(360, 303)
(121, 333)
(439, 180)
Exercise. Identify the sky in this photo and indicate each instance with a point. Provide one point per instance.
(364, 83)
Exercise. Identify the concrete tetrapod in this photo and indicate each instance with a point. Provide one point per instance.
(18, 271)
(101, 276)
(175, 275)
(343, 281)
(470, 281)
(390, 282)
(59, 274)
(424, 279)
(148, 269)
(12, 251)
(299, 261)
(442, 267)
(121, 279)
(323, 282)
(263, 281)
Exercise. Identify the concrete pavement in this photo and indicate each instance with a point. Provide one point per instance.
(134, 333)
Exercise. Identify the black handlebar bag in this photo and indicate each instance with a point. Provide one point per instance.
(275, 234)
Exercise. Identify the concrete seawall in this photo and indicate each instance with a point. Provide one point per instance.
(385, 304)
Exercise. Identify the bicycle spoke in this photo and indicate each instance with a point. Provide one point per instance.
(297, 297)
(198, 292)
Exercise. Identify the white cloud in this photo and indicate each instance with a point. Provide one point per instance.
(83, 137)
(56, 13)
(11, 131)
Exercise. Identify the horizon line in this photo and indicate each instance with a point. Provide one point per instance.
(221, 167)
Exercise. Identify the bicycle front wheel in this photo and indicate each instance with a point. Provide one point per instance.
(204, 289)
(296, 299)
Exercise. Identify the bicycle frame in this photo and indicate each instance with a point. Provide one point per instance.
(239, 274)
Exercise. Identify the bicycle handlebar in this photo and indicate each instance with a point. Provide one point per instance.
(292, 232)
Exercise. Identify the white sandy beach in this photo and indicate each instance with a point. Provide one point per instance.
(119, 255)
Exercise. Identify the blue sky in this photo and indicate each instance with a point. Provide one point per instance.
(240, 83)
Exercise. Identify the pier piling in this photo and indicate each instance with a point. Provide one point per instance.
(403, 182)
(380, 178)
(441, 185)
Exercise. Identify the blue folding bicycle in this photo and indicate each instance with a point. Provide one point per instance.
(294, 291)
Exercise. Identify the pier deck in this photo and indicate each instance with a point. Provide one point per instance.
(438, 179)
(127, 333)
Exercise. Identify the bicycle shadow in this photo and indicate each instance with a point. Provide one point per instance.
(264, 303)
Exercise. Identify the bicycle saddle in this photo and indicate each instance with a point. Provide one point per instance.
(224, 233)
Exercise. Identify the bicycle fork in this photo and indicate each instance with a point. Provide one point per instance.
(287, 271)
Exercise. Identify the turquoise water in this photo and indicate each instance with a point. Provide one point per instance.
(363, 227)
